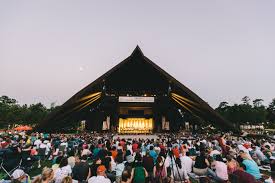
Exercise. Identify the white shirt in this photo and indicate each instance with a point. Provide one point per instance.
(62, 172)
(130, 148)
(64, 144)
(119, 169)
(113, 164)
(86, 152)
(242, 148)
(187, 162)
(157, 149)
(181, 172)
(37, 143)
(98, 179)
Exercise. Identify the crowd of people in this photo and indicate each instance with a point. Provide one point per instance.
(101, 158)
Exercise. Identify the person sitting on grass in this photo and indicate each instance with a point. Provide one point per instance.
(20, 176)
(63, 170)
(101, 176)
(243, 176)
(251, 166)
(219, 169)
(46, 176)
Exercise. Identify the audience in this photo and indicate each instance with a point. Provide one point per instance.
(101, 158)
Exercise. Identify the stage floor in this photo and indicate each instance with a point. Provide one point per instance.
(141, 136)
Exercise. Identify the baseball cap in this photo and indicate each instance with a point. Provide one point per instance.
(18, 173)
(101, 168)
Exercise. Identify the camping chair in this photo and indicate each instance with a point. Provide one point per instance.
(62, 148)
(10, 161)
(42, 154)
(26, 160)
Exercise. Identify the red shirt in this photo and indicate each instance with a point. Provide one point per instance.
(161, 146)
(122, 143)
(135, 147)
(4, 144)
(176, 152)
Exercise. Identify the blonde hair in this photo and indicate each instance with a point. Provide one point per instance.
(46, 173)
(67, 179)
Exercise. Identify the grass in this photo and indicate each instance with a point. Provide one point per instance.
(33, 172)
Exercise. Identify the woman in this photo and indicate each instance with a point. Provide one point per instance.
(67, 179)
(46, 176)
(139, 172)
(251, 166)
(232, 165)
(219, 169)
(126, 177)
(119, 168)
(159, 171)
(201, 164)
(63, 170)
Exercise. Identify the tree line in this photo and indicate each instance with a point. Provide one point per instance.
(249, 112)
(12, 113)
(253, 112)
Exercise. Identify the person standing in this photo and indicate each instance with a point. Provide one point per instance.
(148, 164)
(139, 172)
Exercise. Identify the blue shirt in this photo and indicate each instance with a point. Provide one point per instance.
(154, 155)
(252, 168)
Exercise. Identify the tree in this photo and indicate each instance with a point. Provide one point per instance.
(6, 100)
(38, 112)
(223, 105)
(246, 100)
(257, 102)
(271, 111)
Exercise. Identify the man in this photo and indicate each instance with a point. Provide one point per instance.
(86, 151)
(259, 155)
(101, 176)
(186, 161)
(37, 143)
(81, 170)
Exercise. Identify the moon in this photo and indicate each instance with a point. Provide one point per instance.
(81, 69)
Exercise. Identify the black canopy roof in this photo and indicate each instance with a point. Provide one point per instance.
(135, 75)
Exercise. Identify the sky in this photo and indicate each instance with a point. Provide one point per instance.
(223, 50)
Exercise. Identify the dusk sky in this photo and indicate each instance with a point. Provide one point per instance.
(222, 50)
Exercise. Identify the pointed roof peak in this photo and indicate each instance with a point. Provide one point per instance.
(137, 52)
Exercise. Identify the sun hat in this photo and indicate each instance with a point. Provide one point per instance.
(18, 173)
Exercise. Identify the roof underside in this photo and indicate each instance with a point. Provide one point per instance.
(136, 75)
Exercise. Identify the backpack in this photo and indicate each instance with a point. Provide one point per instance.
(139, 175)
